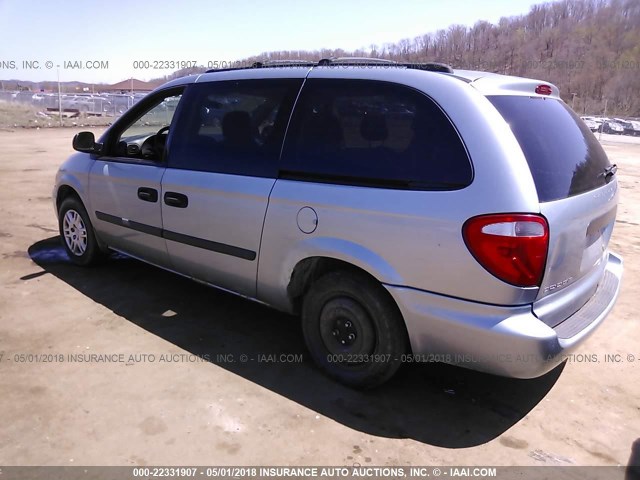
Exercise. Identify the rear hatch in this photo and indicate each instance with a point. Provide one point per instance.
(577, 191)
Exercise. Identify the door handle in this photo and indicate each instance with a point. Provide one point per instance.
(175, 199)
(148, 194)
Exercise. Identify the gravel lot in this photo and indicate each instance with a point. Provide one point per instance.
(175, 408)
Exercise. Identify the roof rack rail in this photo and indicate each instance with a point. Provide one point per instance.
(383, 62)
(355, 61)
(344, 61)
(268, 64)
(431, 66)
(283, 63)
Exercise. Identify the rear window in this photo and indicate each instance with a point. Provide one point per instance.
(564, 157)
(369, 133)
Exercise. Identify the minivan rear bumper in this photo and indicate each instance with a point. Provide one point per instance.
(507, 341)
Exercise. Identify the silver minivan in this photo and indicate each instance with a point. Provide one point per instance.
(407, 212)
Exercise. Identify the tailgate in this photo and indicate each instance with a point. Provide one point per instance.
(578, 195)
(579, 231)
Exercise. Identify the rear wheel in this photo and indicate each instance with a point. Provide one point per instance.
(76, 232)
(353, 329)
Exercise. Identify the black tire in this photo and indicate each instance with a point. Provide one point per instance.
(92, 253)
(365, 352)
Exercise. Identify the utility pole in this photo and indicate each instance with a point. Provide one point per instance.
(59, 98)
(604, 115)
(573, 101)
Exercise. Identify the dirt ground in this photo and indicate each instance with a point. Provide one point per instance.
(165, 405)
(18, 115)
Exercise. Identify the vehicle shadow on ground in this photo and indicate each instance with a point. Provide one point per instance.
(633, 466)
(432, 403)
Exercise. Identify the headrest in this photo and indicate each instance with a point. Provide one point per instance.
(373, 127)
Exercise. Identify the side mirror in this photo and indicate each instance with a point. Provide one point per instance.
(84, 142)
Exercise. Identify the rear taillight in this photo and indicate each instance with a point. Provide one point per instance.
(513, 247)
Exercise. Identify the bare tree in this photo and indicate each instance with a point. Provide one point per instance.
(590, 48)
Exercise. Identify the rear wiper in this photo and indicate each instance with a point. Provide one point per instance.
(609, 172)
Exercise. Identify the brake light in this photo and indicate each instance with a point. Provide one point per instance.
(512, 247)
(543, 90)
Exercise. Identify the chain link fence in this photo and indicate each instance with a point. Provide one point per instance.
(72, 105)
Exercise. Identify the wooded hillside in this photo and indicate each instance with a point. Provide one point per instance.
(590, 48)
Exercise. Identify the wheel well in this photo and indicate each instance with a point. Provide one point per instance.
(65, 191)
(309, 270)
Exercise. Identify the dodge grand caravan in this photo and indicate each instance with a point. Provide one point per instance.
(404, 211)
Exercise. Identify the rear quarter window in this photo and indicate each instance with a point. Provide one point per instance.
(564, 157)
(371, 133)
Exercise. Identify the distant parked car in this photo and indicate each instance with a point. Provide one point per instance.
(609, 126)
(592, 124)
(628, 128)
(597, 120)
(76, 102)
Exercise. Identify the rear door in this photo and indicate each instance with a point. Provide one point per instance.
(222, 167)
(577, 190)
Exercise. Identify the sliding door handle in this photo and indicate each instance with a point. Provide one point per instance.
(174, 199)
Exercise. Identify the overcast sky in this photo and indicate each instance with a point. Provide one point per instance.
(120, 32)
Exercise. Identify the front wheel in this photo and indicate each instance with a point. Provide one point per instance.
(353, 329)
(76, 231)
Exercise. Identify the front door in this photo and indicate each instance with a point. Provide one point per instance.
(125, 182)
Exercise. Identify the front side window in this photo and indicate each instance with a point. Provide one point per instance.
(374, 134)
(234, 127)
(146, 137)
